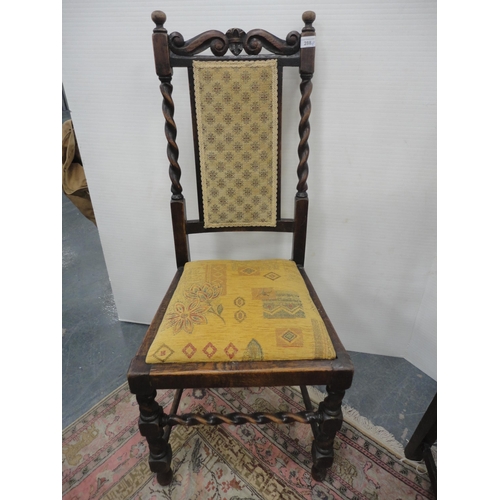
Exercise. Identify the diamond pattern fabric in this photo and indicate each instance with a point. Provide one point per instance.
(225, 310)
(237, 119)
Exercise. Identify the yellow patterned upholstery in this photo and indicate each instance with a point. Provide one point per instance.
(226, 310)
(237, 117)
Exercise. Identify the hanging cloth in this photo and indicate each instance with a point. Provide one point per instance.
(74, 182)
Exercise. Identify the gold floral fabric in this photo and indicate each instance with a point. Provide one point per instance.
(237, 117)
(225, 310)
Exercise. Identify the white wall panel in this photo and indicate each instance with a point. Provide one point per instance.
(423, 340)
(372, 235)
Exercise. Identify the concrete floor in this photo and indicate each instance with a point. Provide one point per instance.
(97, 347)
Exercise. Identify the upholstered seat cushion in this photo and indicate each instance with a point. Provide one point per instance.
(226, 310)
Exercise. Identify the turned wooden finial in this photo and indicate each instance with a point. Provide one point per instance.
(159, 19)
(308, 17)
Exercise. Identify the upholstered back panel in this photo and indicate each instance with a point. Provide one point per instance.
(236, 108)
(236, 120)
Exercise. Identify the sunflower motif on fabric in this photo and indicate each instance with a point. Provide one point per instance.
(206, 294)
(231, 311)
(200, 303)
(183, 318)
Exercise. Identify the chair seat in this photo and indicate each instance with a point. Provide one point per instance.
(228, 310)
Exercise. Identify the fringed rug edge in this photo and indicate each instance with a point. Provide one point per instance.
(353, 417)
(377, 433)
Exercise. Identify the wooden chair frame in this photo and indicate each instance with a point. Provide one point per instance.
(144, 379)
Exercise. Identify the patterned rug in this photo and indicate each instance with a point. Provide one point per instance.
(105, 457)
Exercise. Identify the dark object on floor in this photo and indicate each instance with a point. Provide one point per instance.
(422, 440)
(236, 110)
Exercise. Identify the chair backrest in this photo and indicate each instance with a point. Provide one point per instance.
(236, 112)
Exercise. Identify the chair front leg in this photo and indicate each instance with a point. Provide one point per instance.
(151, 426)
(322, 448)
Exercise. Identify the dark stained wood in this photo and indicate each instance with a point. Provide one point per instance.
(194, 123)
(309, 407)
(306, 398)
(235, 40)
(308, 47)
(160, 45)
(171, 135)
(300, 230)
(250, 374)
(216, 40)
(425, 433)
(304, 132)
(237, 418)
(339, 347)
(338, 372)
(282, 226)
(257, 39)
(282, 61)
(178, 209)
(423, 438)
(172, 412)
(331, 422)
(235, 37)
(151, 424)
(280, 126)
(306, 70)
(297, 50)
(431, 467)
(164, 72)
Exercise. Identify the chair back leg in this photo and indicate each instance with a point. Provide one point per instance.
(331, 422)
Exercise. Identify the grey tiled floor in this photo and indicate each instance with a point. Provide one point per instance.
(97, 348)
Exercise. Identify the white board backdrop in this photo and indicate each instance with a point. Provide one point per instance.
(372, 181)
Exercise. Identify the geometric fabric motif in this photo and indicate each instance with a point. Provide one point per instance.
(283, 305)
(225, 310)
(287, 337)
(236, 106)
